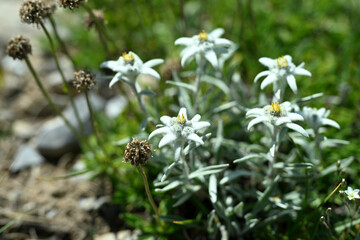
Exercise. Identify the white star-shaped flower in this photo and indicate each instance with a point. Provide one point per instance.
(318, 117)
(277, 115)
(179, 129)
(204, 45)
(281, 69)
(129, 66)
(352, 193)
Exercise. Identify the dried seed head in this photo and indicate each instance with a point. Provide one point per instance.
(322, 219)
(32, 11)
(19, 47)
(89, 21)
(328, 211)
(137, 152)
(83, 80)
(169, 67)
(71, 4)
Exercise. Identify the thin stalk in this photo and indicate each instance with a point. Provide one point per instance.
(273, 160)
(185, 167)
(148, 193)
(62, 44)
(62, 75)
(93, 124)
(317, 142)
(199, 72)
(47, 97)
(139, 99)
(100, 29)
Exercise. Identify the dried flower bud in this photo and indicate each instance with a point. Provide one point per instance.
(343, 183)
(170, 66)
(328, 211)
(19, 47)
(137, 152)
(338, 164)
(32, 11)
(342, 194)
(322, 219)
(71, 4)
(89, 21)
(83, 80)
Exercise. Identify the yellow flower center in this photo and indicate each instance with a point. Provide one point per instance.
(275, 109)
(128, 57)
(282, 62)
(181, 119)
(351, 194)
(203, 36)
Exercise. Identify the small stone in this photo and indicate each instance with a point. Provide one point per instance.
(56, 139)
(115, 106)
(26, 157)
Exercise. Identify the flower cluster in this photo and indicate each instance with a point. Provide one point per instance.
(318, 117)
(179, 129)
(129, 66)
(32, 11)
(281, 69)
(352, 193)
(71, 4)
(83, 80)
(277, 115)
(137, 152)
(204, 45)
(19, 47)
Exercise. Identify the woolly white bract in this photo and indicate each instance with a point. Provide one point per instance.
(318, 117)
(129, 66)
(277, 115)
(179, 129)
(204, 45)
(281, 69)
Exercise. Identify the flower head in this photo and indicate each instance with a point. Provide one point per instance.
(180, 129)
(32, 11)
(19, 47)
(137, 152)
(71, 4)
(352, 193)
(281, 69)
(204, 45)
(83, 80)
(129, 66)
(318, 117)
(277, 115)
(89, 22)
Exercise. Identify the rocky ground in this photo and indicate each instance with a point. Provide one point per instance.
(31, 137)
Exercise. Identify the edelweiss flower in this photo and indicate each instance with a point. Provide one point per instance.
(352, 194)
(129, 66)
(283, 69)
(318, 117)
(205, 46)
(179, 129)
(277, 115)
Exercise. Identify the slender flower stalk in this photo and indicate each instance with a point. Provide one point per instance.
(47, 97)
(100, 29)
(66, 85)
(148, 193)
(61, 42)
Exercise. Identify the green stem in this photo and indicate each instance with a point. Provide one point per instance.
(148, 193)
(273, 160)
(62, 76)
(47, 97)
(197, 88)
(101, 31)
(93, 124)
(139, 99)
(62, 44)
